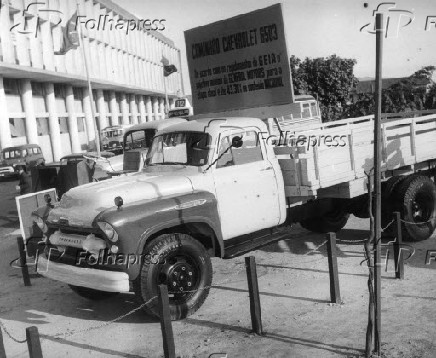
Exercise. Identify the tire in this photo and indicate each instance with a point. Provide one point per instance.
(416, 201)
(176, 253)
(388, 197)
(330, 222)
(91, 294)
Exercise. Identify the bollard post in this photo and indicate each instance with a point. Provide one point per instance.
(398, 254)
(335, 295)
(2, 347)
(165, 322)
(23, 261)
(253, 289)
(33, 342)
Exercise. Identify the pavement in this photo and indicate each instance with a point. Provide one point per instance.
(297, 316)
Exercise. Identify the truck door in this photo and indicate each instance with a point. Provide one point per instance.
(246, 186)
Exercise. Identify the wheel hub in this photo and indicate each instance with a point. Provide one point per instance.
(181, 277)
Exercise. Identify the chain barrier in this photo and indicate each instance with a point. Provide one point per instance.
(10, 335)
(316, 248)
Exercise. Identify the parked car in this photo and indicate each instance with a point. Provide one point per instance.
(22, 156)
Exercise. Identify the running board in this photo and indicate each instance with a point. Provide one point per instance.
(243, 244)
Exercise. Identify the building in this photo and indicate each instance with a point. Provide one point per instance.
(44, 98)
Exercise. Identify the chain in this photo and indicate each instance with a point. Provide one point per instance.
(10, 335)
(101, 325)
(316, 248)
(418, 223)
(104, 324)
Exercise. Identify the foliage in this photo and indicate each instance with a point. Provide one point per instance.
(329, 79)
(417, 92)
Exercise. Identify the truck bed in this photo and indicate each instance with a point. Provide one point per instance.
(322, 171)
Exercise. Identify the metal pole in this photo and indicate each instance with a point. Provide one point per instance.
(167, 106)
(91, 96)
(377, 181)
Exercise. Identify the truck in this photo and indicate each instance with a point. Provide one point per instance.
(135, 143)
(221, 187)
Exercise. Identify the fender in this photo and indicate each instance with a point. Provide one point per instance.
(138, 222)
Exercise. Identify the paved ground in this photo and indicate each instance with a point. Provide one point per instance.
(298, 320)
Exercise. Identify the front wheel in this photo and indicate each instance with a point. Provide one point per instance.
(182, 264)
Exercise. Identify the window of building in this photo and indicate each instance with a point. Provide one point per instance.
(80, 124)
(13, 95)
(17, 127)
(42, 126)
(63, 126)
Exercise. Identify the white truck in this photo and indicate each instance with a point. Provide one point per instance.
(222, 187)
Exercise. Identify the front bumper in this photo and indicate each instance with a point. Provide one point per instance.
(110, 281)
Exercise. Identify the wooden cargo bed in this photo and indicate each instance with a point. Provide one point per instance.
(338, 170)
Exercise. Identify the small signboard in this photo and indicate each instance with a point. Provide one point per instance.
(28, 203)
(240, 63)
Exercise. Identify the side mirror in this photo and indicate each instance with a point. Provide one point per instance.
(237, 142)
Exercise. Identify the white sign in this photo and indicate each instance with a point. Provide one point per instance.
(239, 63)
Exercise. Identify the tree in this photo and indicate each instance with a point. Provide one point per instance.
(329, 79)
(416, 92)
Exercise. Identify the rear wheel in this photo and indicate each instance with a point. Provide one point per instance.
(92, 294)
(389, 189)
(416, 201)
(333, 221)
(182, 264)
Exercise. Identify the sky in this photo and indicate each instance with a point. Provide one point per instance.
(316, 28)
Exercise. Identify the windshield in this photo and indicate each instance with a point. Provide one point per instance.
(187, 148)
(139, 139)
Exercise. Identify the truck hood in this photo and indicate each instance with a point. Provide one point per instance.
(80, 205)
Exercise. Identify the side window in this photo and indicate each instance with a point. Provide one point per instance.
(227, 158)
(249, 152)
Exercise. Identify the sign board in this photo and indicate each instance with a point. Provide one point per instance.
(28, 203)
(240, 63)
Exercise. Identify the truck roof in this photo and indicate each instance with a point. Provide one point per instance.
(215, 124)
(158, 125)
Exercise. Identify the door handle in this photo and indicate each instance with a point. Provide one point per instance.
(267, 168)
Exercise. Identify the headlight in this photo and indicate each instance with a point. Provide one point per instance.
(109, 231)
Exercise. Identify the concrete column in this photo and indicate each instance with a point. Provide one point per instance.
(5, 130)
(88, 117)
(133, 109)
(53, 121)
(155, 102)
(125, 109)
(101, 108)
(26, 99)
(72, 120)
(162, 108)
(149, 108)
(113, 106)
(142, 110)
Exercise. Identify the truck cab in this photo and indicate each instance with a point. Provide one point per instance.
(210, 187)
(136, 141)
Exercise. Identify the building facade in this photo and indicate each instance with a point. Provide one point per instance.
(44, 98)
